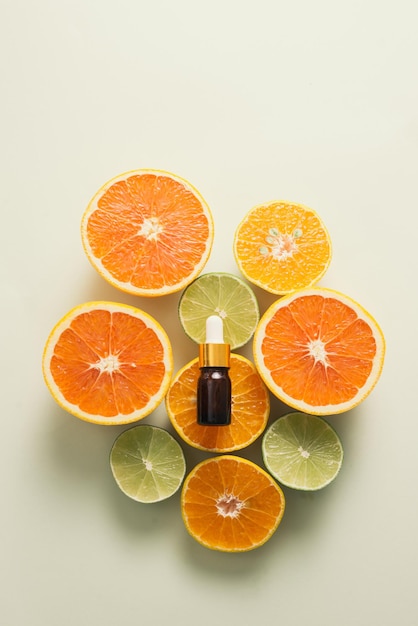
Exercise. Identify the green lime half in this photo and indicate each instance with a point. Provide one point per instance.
(220, 294)
(302, 451)
(147, 463)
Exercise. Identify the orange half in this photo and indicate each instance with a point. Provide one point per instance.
(282, 246)
(249, 413)
(319, 351)
(148, 232)
(108, 363)
(230, 504)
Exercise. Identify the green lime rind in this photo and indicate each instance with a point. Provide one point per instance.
(302, 451)
(147, 463)
(223, 294)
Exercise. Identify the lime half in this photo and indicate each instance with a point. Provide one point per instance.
(220, 294)
(302, 451)
(147, 463)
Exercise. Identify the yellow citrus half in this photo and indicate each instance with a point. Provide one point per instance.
(282, 246)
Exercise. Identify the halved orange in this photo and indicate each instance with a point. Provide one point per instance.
(319, 351)
(148, 232)
(230, 504)
(108, 363)
(282, 246)
(249, 413)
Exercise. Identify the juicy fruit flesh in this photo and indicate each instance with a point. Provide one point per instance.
(149, 231)
(302, 451)
(318, 350)
(250, 408)
(147, 463)
(230, 504)
(282, 247)
(219, 294)
(108, 363)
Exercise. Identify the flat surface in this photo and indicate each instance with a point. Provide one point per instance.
(314, 102)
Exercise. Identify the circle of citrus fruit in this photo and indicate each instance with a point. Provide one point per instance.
(108, 363)
(147, 463)
(282, 246)
(249, 413)
(223, 294)
(319, 351)
(148, 232)
(230, 504)
(302, 451)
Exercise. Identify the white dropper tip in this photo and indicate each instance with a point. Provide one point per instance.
(214, 329)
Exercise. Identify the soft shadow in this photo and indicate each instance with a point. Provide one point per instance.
(222, 565)
(75, 449)
(71, 457)
(264, 298)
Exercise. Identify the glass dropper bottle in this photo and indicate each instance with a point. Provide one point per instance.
(214, 384)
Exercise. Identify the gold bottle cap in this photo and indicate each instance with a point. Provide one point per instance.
(214, 355)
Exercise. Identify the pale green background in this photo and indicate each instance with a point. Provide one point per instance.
(314, 102)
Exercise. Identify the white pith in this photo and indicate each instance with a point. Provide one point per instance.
(316, 349)
(229, 505)
(304, 453)
(280, 246)
(151, 228)
(108, 364)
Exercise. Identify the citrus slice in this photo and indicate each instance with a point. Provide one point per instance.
(302, 451)
(220, 294)
(148, 232)
(249, 413)
(319, 351)
(147, 463)
(108, 363)
(282, 246)
(230, 504)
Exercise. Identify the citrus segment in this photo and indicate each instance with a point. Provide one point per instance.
(108, 363)
(148, 232)
(220, 294)
(302, 451)
(249, 413)
(147, 463)
(230, 504)
(282, 246)
(319, 351)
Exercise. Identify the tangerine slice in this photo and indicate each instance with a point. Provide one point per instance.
(319, 351)
(108, 363)
(148, 232)
(282, 246)
(249, 413)
(230, 504)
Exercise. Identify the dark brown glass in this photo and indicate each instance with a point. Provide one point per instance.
(214, 397)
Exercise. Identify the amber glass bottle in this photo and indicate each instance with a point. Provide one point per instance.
(214, 383)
